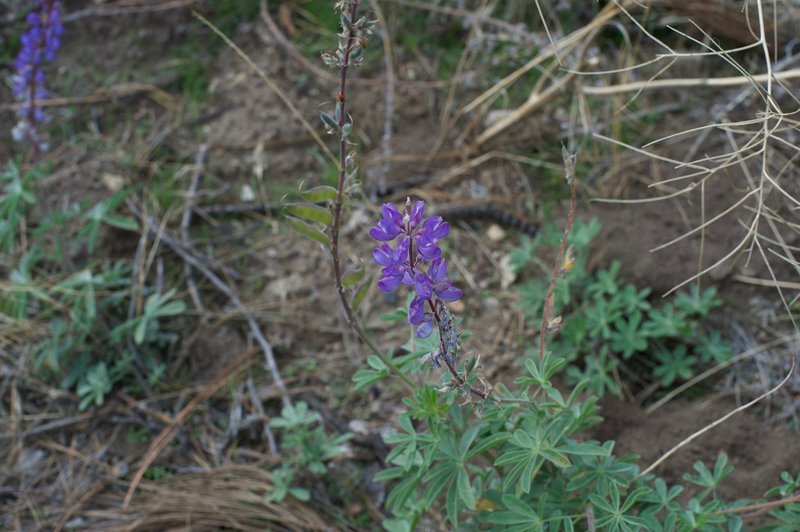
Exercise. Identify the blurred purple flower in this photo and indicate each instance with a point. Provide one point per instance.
(39, 44)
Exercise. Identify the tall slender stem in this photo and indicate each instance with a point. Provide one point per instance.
(341, 113)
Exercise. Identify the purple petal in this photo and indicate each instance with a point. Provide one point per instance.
(408, 278)
(422, 284)
(389, 226)
(416, 214)
(391, 214)
(449, 293)
(384, 233)
(436, 228)
(389, 284)
(438, 270)
(428, 249)
(416, 311)
(426, 327)
(384, 255)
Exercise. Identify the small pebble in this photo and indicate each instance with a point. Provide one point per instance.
(457, 307)
(495, 233)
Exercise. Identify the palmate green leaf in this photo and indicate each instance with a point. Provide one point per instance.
(308, 231)
(696, 304)
(465, 491)
(613, 514)
(397, 525)
(627, 337)
(320, 194)
(377, 372)
(367, 377)
(555, 457)
(391, 473)
(517, 514)
(450, 472)
(404, 452)
(466, 443)
(586, 448)
(524, 463)
(310, 212)
(604, 471)
(489, 442)
(674, 365)
(435, 481)
(401, 493)
(451, 503)
(156, 306)
(788, 518)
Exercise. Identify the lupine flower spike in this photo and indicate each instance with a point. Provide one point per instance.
(417, 262)
(39, 44)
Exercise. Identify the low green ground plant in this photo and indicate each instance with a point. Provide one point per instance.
(606, 322)
(306, 449)
(78, 308)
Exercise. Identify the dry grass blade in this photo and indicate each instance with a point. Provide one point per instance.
(564, 46)
(231, 497)
(109, 94)
(727, 81)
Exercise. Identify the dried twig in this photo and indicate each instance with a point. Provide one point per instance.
(347, 48)
(121, 90)
(186, 221)
(265, 431)
(656, 84)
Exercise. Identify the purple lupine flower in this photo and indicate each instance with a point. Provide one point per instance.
(389, 226)
(432, 230)
(417, 261)
(395, 265)
(39, 44)
(440, 284)
(435, 281)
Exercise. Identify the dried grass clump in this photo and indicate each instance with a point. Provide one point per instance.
(230, 497)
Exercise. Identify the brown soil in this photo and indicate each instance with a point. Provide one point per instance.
(758, 452)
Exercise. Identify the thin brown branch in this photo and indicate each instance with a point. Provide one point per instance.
(186, 220)
(547, 311)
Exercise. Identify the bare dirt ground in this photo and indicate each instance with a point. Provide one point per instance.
(76, 475)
